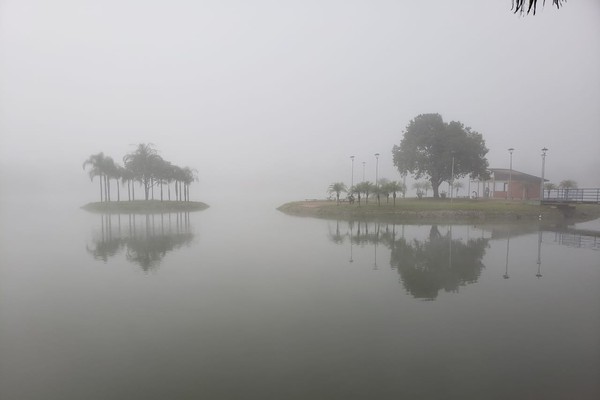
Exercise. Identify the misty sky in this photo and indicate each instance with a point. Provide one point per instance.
(271, 98)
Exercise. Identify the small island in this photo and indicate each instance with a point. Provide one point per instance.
(435, 153)
(436, 210)
(152, 173)
(145, 207)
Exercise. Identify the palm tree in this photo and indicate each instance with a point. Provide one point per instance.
(189, 175)
(112, 171)
(96, 163)
(456, 185)
(383, 189)
(142, 162)
(366, 188)
(393, 187)
(337, 188)
(126, 175)
(178, 176)
(354, 191)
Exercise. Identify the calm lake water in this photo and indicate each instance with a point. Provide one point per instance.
(255, 304)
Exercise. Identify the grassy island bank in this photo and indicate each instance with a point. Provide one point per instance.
(144, 206)
(425, 210)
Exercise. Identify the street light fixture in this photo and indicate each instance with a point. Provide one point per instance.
(509, 194)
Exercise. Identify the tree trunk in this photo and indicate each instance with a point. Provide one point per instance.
(118, 191)
(161, 191)
(100, 180)
(176, 192)
(106, 188)
(169, 190)
(394, 199)
(146, 188)
(435, 188)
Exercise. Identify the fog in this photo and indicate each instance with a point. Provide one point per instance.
(267, 99)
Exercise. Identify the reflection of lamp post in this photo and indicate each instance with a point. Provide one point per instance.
(509, 194)
(539, 260)
(351, 233)
(544, 150)
(375, 267)
(505, 276)
(352, 179)
(377, 177)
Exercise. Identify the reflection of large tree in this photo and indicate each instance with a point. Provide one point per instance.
(426, 267)
(146, 238)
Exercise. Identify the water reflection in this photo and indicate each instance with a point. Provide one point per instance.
(145, 239)
(506, 276)
(426, 266)
(439, 263)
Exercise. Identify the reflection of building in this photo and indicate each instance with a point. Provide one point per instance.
(522, 186)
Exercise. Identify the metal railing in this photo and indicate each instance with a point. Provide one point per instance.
(587, 195)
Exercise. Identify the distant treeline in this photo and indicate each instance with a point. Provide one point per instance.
(144, 166)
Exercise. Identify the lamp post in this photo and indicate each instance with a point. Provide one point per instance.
(364, 162)
(544, 150)
(509, 194)
(377, 177)
(352, 178)
(452, 182)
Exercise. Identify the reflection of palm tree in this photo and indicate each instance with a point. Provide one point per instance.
(146, 246)
(336, 237)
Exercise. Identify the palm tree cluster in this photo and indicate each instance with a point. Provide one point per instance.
(145, 166)
(366, 188)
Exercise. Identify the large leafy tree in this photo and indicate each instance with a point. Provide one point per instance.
(568, 184)
(435, 149)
